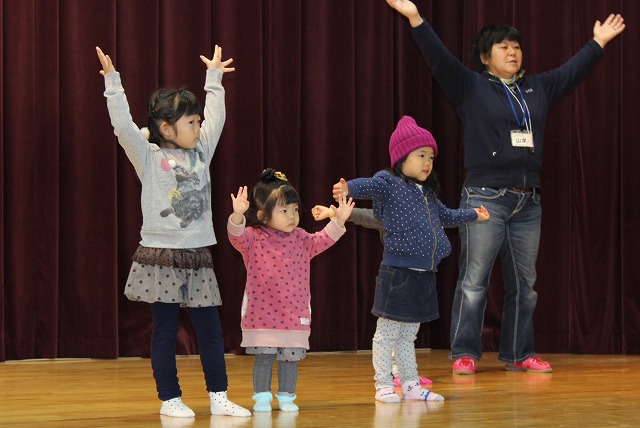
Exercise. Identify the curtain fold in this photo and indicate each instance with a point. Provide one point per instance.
(318, 88)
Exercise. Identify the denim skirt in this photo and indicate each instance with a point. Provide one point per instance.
(405, 295)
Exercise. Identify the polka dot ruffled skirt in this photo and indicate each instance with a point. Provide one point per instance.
(164, 275)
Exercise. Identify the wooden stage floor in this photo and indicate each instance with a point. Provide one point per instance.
(334, 390)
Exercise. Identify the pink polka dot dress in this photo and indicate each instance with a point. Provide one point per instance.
(276, 307)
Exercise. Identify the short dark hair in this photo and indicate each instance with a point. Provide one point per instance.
(487, 37)
(272, 190)
(169, 105)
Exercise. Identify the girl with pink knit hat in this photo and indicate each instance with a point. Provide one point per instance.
(405, 200)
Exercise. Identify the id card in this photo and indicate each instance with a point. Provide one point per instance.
(522, 139)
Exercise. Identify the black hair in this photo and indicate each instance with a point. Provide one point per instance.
(169, 105)
(273, 189)
(487, 37)
(432, 180)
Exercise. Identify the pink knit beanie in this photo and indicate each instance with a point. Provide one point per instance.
(407, 137)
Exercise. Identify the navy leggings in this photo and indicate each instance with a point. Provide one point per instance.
(206, 324)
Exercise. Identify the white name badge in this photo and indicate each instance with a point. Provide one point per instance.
(522, 139)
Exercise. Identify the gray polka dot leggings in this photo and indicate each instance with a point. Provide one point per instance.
(401, 336)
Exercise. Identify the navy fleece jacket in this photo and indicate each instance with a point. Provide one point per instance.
(413, 218)
(483, 106)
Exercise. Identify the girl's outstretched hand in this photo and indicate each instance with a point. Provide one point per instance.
(320, 212)
(105, 60)
(340, 189)
(483, 214)
(344, 209)
(216, 61)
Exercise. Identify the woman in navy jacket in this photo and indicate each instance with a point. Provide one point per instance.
(503, 113)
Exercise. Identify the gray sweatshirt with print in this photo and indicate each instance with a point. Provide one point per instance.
(176, 183)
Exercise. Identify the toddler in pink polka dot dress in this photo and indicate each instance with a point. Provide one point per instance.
(276, 313)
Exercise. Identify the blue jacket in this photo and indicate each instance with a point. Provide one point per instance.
(483, 106)
(415, 235)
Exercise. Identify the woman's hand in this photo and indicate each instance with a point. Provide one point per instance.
(607, 31)
(408, 9)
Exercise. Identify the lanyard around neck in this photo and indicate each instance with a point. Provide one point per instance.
(523, 105)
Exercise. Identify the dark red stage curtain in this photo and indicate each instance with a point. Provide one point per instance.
(318, 88)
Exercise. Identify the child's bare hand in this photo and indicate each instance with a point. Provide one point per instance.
(344, 209)
(240, 202)
(483, 214)
(340, 189)
(320, 212)
(216, 61)
(105, 60)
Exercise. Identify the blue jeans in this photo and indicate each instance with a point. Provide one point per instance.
(514, 231)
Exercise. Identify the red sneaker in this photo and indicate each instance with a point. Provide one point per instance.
(533, 364)
(464, 366)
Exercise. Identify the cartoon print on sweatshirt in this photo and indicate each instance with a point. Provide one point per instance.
(188, 201)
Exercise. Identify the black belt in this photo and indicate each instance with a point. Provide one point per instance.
(521, 190)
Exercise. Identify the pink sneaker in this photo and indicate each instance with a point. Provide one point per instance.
(423, 381)
(464, 366)
(533, 364)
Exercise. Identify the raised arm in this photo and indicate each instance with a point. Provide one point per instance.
(214, 108)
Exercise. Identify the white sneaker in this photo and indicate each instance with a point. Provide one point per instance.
(176, 408)
(220, 405)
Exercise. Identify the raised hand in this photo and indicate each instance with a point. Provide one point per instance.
(344, 209)
(105, 60)
(240, 202)
(408, 9)
(216, 61)
(340, 189)
(608, 30)
(405, 7)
